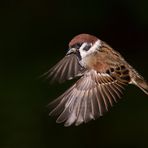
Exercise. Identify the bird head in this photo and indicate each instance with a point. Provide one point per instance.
(85, 44)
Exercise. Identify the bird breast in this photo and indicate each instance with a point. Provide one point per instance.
(96, 62)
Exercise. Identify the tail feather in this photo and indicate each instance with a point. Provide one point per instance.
(141, 83)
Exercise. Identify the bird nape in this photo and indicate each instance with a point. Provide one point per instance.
(103, 74)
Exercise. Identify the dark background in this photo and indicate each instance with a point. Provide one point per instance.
(34, 36)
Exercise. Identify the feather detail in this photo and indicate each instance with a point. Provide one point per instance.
(66, 69)
(89, 98)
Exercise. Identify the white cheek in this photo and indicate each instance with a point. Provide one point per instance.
(95, 47)
(83, 53)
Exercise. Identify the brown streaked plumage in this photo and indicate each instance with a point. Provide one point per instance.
(103, 75)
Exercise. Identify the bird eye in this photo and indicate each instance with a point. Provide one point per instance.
(87, 47)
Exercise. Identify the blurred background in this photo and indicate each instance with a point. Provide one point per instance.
(34, 35)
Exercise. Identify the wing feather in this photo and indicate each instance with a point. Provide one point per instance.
(89, 98)
(66, 69)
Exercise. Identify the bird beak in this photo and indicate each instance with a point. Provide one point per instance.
(71, 50)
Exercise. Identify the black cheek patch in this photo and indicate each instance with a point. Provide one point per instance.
(87, 47)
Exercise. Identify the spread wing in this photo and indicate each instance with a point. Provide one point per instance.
(66, 69)
(89, 98)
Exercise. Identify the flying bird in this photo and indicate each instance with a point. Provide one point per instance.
(103, 73)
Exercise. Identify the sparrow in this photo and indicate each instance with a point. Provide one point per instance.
(103, 74)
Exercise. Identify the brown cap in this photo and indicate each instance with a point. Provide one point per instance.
(81, 38)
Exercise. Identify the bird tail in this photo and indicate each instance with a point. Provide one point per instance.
(141, 83)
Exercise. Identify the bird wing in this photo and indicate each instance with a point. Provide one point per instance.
(89, 98)
(66, 69)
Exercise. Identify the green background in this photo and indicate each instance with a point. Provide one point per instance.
(34, 35)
